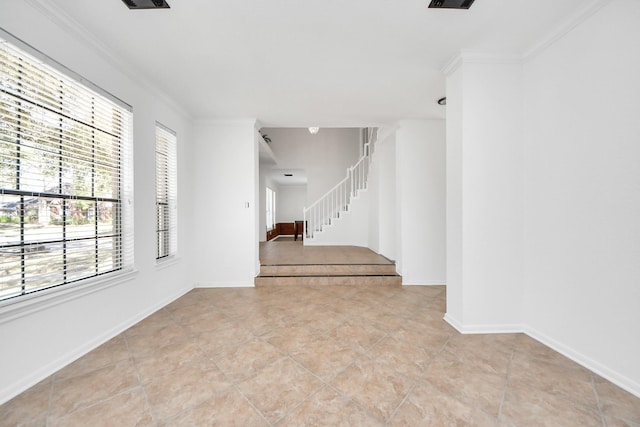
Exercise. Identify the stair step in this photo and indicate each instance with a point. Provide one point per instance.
(378, 280)
(328, 270)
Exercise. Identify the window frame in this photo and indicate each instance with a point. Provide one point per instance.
(270, 209)
(122, 223)
(166, 146)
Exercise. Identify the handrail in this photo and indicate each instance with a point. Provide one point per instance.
(337, 199)
(332, 189)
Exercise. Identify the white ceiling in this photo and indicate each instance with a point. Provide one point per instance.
(299, 176)
(309, 62)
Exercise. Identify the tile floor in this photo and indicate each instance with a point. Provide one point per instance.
(287, 252)
(318, 356)
(285, 262)
(335, 356)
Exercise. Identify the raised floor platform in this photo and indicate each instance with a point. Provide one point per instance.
(284, 261)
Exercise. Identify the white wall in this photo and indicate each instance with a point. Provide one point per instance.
(351, 229)
(289, 202)
(420, 198)
(386, 170)
(36, 343)
(224, 213)
(373, 214)
(324, 156)
(582, 186)
(542, 216)
(381, 187)
(485, 220)
(454, 259)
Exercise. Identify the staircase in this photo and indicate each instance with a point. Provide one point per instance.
(337, 203)
(290, 263)
(329, 274)
(334, 250)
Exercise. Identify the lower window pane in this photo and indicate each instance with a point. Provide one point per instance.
(10, 272)
(81, 259)
(81, 219)
(108, 254)
(163, 243)
(43, 266)
(43, 219)
(107, 214)
(9, 219)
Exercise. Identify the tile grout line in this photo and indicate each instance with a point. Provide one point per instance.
(286, 355)
(236, 388)
(327, 384)
(404, 399)
(351, 399)
(506, 383)
(96, 402)
(306, 399)
(234, 383)
(597, 395)
(212, 360)
(144, 389)
(415, 383)
(46, 420)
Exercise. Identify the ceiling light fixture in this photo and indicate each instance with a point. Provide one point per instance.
(313, 130)
(442, 101)
(451, 4)
(146, 4)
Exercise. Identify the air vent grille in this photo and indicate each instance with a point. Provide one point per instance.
(146, 4)
(451, 4)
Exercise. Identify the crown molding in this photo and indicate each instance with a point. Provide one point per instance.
(226, 122)
(65, 22)
(489, 57)
(259, 125)
(479, 57)
(452, 65)
(563, 29)
(483, 57)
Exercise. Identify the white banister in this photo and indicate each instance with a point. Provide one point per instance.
(337, 199)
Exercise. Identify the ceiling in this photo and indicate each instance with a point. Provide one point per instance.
(308, 62)
(298, 176)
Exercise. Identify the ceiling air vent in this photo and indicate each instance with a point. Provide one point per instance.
(451, 4)
(146, 4)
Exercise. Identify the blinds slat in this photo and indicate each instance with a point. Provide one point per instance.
(60, 137)
(166, 189)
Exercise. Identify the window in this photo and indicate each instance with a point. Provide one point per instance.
(64, 172)
(166, 243)
(271, 209)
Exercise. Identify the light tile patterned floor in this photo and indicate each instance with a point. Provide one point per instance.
(287, 252)
(318, 356)
(332, 356)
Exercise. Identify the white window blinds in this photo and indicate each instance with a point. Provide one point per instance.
(64, 176)
(270, 199)
(166, 188)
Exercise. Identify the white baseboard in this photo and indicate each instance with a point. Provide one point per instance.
(423, 282)
(314, 242)
(453, 322)
(225, 285)
(615, 377)
(605, 372)
(497, 328)
(8, 392)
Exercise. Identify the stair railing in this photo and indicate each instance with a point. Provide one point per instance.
(337, 200)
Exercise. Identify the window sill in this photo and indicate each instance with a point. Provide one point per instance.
(28, 304)
(167, 262)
